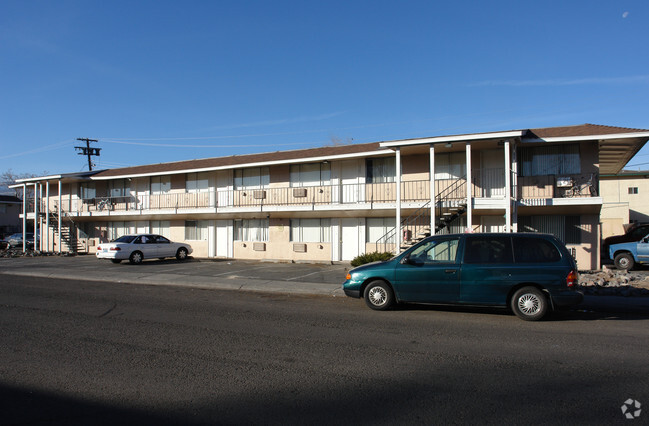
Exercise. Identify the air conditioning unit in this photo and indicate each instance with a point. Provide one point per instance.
(259, 195)
(259, 246)
(299, 247)
(299, 192)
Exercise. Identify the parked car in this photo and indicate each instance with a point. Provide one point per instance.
(138, 247)
(634, 233)
(16, 240)
(626, 255)
(529, 273)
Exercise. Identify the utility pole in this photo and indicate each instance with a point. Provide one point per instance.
(87, 150)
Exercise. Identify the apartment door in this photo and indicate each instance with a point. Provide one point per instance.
(223, 239)
(350, 238)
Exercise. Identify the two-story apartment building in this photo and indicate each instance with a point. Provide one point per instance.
(336, 202)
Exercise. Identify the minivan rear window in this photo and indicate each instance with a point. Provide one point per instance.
(489, 249)
(535, 250)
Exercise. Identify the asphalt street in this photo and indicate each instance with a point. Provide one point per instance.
(84, 352)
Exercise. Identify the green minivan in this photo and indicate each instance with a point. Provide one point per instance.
(530, 273)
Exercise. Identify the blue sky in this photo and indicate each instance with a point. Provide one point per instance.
(159, 81)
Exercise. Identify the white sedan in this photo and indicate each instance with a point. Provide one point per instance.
(136, 248)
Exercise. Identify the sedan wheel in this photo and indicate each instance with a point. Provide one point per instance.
(181, 254)
(529, 303)
(136, 258)
(378, 295)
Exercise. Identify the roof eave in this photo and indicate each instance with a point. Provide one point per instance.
(456, 138)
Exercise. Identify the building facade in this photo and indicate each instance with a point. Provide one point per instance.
(623, 200)
(334, 203)
(9, 214)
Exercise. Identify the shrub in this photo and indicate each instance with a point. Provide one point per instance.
(371, 257)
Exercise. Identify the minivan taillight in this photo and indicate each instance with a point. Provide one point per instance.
(572, 279)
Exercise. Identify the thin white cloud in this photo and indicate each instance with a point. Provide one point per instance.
(281, 121)
(565, 82)
(625, 14)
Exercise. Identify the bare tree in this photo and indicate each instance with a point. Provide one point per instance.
(9, 178)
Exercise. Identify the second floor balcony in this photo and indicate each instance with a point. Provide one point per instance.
(487, 184)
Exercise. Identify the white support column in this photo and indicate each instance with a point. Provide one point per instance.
(60, 218)
(432, 190)
(508, 189)
(398, 194)
(24, 214)
(514, 176)
(47, 216)
(36, 189)
(469, 190)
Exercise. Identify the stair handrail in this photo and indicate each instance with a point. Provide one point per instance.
(74, 247)
(414, 220)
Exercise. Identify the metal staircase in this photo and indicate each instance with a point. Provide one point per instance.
(450, 205)
(69, 231)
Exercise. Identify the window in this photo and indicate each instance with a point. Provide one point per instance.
(550, 160)
(119, 188)
(450, 166)
(196, 230)
(633, 190)
(488, 250)
(311, 230)
(377, 227)
(380, 170)
(565, 228)
(535, 250)
(160, 185)
(251, 230)
(253, 178)
(87, 190)
(435, 251)
(197, 182)
(314, 174)
(160, 227)
(117, 229)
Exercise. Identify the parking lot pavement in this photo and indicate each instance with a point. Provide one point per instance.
(319, 279)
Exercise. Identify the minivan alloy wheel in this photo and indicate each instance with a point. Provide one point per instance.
(529, 303)
(378, 295)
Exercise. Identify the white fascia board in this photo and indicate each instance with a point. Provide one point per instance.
(38, 179)
(588, 137)
(460, 138)
(258, 164)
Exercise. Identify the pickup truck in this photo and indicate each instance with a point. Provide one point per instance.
(626, 255)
